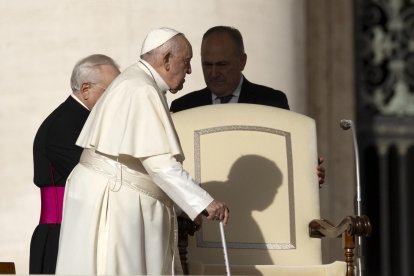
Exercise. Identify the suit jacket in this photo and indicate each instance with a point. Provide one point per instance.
(54, 156)
(250, 93)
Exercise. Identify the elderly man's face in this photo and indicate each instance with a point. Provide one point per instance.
(108, 74)
(222, 63)
(94, 91)
(180, 65)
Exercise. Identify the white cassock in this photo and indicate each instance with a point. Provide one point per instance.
(118, 215)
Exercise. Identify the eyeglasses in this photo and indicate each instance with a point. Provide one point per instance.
(97, 85)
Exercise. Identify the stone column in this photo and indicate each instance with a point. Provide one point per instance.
(330, 92)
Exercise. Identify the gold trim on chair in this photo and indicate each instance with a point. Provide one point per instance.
(197, 169)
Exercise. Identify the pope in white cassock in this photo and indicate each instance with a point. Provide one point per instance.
(118, 215)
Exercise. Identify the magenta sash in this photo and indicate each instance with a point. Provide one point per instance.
(52, 204)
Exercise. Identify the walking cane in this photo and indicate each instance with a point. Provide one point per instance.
(223, 241)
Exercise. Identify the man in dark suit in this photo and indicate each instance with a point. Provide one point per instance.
(223, 60)
(55, 154)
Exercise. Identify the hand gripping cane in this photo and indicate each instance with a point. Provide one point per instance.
(223, 242)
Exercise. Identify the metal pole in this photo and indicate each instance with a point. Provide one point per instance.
(348, 124)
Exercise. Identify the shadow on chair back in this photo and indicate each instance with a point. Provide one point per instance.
(7, 268)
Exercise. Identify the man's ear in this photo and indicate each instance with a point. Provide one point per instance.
(243, 60)
(167, 61)
(84, 90)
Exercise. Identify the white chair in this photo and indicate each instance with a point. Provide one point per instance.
(262, 162)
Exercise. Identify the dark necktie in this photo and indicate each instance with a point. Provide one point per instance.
(225, 99)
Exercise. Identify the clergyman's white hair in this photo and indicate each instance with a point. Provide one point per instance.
(88, 70)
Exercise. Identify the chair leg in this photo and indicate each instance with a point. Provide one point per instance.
(7, 268)
(348, 242)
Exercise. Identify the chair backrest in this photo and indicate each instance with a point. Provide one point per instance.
(262, 162)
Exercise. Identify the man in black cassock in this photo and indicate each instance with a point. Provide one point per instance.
(55, 154)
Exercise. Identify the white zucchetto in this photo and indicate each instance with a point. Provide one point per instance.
(156, 38)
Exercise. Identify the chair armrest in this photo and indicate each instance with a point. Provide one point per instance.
(353, 225)
(348, 229)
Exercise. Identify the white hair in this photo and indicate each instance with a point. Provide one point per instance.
(88, 70)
